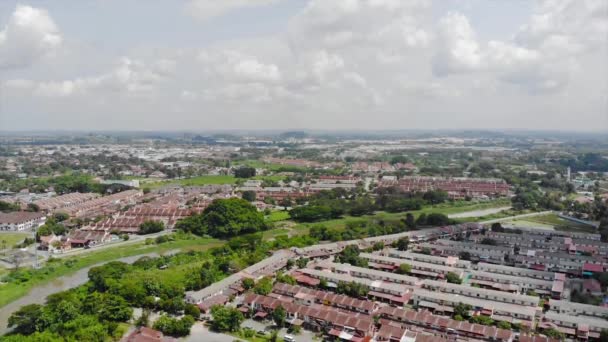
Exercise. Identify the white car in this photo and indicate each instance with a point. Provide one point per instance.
(289, 338)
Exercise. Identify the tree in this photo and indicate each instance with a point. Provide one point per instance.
(102, 276)
(465, 256)
(249, 195)
(311, 213)
(114, 308)
(378, 246)
(425, 250)
(192, 310)
(302, 262)
(604, 335)
(231, 217)
(435, 196)
(25, 319)
(462, 310)
(421, 221)
(410, 221)
(150, 227)
(60, 216)
(554, 333)
(481, 319)
(174, 327)
(278, 316)
(402, 243)
(504, 325)
(352, 289)
(285, 278)
(489, 241)
(286, 202)
(244, 172)
(264, 286)
(497, 227)
(350, 255)
(6, 207)
(248, 283)
(404, 269)
(437, 219)
(33, 207)
(453, 278)
(226, 318)
(603, 279)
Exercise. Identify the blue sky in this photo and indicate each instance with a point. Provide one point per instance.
(339, 64)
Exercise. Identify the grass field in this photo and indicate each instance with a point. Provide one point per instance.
(276, 216)
(560, 224)
(446, 208)
(258, 164)
(273, 178)
(10, 239)
(194, 181)
(55, 269)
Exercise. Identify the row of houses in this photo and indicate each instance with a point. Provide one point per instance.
(418, 236)
(450, 261)
(457, 188)
(349, 319)
(527, 241)
(418, 268)
(265, 267)
(21, 221)
(62, 202)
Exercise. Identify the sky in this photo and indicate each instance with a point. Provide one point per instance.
(200, 65)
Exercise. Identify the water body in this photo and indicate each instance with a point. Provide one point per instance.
(37, 295)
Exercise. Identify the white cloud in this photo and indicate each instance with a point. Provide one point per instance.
(129, 77)
(458, 50)
(29, 35)
(341, 63)
(566, 26)
(207, 9)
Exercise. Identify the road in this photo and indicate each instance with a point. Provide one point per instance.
(508, 218)
(478, 213)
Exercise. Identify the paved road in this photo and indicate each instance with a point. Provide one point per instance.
(478, 213)
(508, 218)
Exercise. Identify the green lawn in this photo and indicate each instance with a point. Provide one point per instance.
(194, 181)
(259, 164)
(9, 239)
(60, 267)
(273, 178)
(560, 224)
(276, 216)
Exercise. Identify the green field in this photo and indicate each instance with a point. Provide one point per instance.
(10, 239)
(446, 208)
(273, 178)
(194, 181)
(69, 265)
(560, 224)
(276, 216)
(65, 266)
(259, 164)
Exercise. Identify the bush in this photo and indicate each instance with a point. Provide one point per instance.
(150, 226)
(174, 327)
